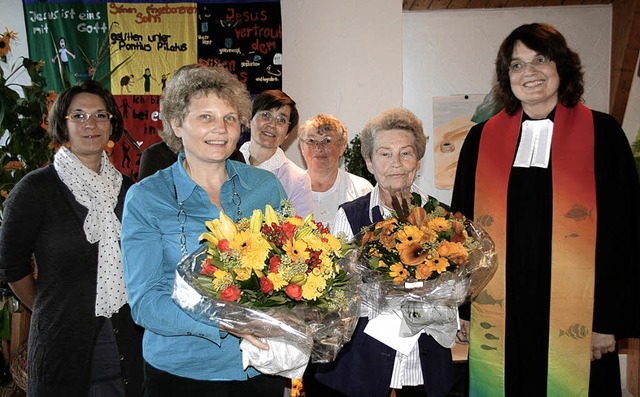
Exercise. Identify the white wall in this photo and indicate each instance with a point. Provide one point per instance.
(355, 58)
(343, 58)
(12, 17)
(453, 53)
(631, 122)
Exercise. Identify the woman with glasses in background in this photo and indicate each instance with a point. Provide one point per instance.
(323, 140)
(66, 216)
(273, 116)
(555, 185)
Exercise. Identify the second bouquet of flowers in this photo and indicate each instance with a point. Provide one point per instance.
(279, 277)
(422, 264)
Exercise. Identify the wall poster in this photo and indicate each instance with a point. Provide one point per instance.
(133, 47)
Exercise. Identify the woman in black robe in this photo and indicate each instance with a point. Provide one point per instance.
(536, 73)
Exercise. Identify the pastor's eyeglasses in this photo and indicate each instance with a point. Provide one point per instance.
(82, 117)
(537, 62)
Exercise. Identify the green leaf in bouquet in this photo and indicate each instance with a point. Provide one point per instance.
(206, 284)
(431, 204)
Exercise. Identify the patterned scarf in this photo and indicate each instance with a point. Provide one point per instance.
(98, 192)
(572, 255)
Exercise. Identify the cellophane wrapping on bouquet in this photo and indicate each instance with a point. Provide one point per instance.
(422, 264)
(298, 296)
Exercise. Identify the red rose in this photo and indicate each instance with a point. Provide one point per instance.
(208, 269)
(230, 294)
(274, 264)
(266, 285)
(294, 291)
(289, 229)
(223, 245)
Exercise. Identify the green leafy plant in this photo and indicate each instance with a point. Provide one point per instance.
(25, 144)
(354, 162)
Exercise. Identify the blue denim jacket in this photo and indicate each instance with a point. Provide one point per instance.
(173, 341)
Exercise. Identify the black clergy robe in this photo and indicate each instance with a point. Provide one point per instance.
(528, 257)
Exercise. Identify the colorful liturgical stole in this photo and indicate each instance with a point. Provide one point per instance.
(572, 256)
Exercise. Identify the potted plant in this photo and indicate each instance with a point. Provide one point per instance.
(24, 144)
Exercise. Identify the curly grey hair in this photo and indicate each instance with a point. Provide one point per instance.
(195, 81)
(392, 119)
(323, 123)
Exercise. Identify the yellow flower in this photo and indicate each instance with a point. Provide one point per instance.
(429, 235)
(387, 235)
(221, 228)
(253, 249)
(221, 280)
(408, 236)
(270, 215)
(439, 224)
(423, 271)
(398, 272)
(438, 264)
(454, 251)
(5, 47)
(334, 243)
(242, 273)
(278, 281)
(314, 286)
(296, 250)
(295, 220)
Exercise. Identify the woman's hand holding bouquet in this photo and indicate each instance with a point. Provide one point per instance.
(277, 277)
(422, 264)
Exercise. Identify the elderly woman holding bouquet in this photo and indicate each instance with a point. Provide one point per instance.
(202, 111)
(393, 143)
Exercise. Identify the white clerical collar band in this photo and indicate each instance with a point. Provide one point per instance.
(535, 144)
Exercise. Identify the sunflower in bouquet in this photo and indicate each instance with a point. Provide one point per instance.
(420, 243)
(273, 259)
(421, 264)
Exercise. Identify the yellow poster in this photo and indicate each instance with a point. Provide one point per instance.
(149, 41)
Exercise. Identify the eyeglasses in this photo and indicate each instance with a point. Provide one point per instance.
(312, 143)
(83, 117)
(267, 116)
(537, 62)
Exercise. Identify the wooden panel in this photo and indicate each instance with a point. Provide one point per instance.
(554, 2)
(625, 44)
(418, 5)
(458, 4)
(631, 347)
(439, 4)
(497, 3)
(516, 3)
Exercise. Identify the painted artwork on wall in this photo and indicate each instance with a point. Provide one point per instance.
(133, 47)
(453, 117)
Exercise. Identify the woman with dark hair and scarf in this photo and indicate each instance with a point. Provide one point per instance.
(82, 339)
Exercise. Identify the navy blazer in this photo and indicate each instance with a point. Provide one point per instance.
(364, 366)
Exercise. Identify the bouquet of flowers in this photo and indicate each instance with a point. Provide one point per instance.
(422, 264)
(275, 276)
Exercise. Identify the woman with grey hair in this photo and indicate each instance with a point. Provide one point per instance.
(393, 143)
(323, 140)
(202, 110)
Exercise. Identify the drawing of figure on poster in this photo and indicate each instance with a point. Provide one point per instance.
(63, 54)
(453, 116)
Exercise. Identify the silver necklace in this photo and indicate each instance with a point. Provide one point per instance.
(182, 215)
